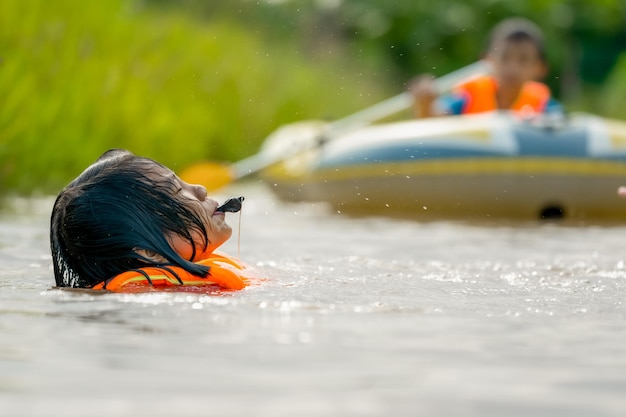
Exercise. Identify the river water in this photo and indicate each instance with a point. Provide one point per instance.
(358, 317)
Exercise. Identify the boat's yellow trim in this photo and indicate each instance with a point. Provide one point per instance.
(616, 130)
(483, 166)
(527, 166)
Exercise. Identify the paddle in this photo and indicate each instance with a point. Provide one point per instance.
(215, 175)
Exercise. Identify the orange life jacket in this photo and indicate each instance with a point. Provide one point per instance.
(480, 94)
(225, 273)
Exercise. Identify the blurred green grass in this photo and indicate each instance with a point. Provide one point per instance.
(78, 78)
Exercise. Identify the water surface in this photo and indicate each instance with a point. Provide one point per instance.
(359, 316)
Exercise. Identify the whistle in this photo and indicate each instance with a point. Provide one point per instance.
(232, 205)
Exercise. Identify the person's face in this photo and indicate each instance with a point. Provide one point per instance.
(516, 62)
(195, 198)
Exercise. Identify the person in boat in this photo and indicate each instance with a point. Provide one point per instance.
(518, 60)
(128, 223)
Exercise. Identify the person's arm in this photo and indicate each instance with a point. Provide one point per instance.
(428, 103)
(425, 96)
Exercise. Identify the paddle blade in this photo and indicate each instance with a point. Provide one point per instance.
(210, 174)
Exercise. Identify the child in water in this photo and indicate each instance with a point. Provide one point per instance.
(517, 56)
(128, 223)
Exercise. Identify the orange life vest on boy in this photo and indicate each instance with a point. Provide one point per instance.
(480, 96)
(224, 273)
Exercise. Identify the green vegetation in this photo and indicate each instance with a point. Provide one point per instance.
(78, 78)
(188, 80)
(584, 38)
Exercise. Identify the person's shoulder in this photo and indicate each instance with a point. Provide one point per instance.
(538, 90)
(542, 90)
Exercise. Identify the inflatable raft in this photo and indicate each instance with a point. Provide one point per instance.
(492, 165)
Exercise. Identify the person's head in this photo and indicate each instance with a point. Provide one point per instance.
(126, 212)
(517, 53)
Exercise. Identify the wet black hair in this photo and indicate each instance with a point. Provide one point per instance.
(517, 29)
(115, 207)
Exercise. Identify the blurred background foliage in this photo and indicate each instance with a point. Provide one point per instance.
(187, 80)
